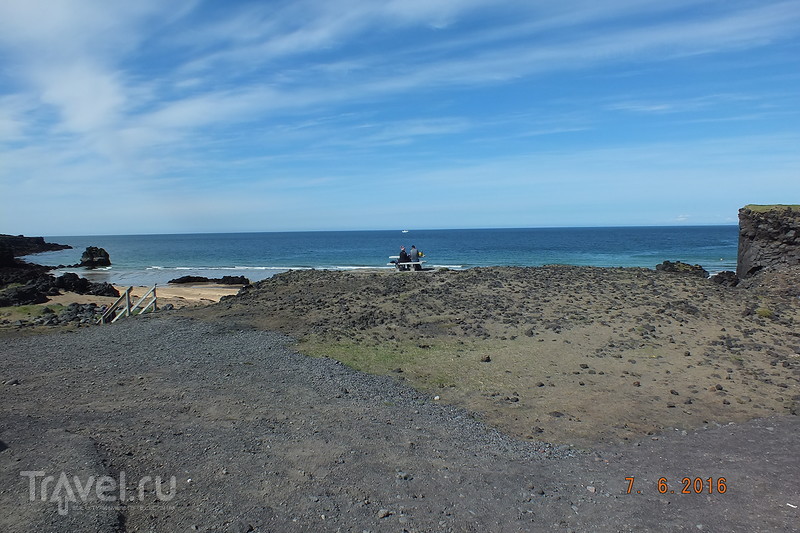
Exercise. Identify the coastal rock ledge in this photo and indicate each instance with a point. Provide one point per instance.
(12, 246)
(769, 236)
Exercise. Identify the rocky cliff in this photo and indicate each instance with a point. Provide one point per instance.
(769, 235)
(20, 245)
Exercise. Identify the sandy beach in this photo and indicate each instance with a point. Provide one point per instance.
(177, 296)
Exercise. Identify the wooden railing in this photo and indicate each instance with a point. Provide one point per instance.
(122, 307)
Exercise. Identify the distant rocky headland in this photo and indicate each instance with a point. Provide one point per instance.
(12, 246)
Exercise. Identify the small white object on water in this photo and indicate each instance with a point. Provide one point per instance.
(436, 398)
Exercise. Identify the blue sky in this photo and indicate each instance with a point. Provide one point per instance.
(191, 116)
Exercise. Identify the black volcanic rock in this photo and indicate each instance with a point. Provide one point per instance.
(224, 280)
(25, 295)
(22, 273)
(73, 283)
(680, 267)
(23, 283)
(233, 280)
(6, 255)
(21, 245)
(31, 284)
(769, 236)
(94, 257)
(725, 278)
(189, 279)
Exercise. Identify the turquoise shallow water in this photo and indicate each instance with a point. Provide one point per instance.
(150, 259)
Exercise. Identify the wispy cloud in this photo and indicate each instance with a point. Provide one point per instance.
(92, 92)
(131, 95)
(683, 105)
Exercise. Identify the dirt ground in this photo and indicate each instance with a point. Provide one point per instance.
(597, 408)
(574, 355)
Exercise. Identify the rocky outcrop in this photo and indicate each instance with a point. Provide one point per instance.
(23, 283)
(680, 267)
(726, 278)
(73, 314)
(6, 256)
(25, 295)
(32, 284)
(22, 273)
(769, 236)
(73, 283)
(94, 257)
(224, 280)
(21, 245)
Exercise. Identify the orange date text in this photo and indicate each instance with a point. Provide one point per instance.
(685, 485)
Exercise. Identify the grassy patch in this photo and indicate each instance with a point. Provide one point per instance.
(378, 359)
(19, 312)
(764, 312)
(430, 367)
(456, 365)
(427, 367)
(764, 208)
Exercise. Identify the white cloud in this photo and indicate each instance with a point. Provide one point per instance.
(69, 53)
(135, 94)
(660, 41)
(92, 92)
(89, 98)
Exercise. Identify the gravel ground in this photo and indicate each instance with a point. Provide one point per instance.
(259, 438)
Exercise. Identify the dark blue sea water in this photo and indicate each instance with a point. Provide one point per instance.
(151, 259)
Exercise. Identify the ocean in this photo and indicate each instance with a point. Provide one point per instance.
(156, 259)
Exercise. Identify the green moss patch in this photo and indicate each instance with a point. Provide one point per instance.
(756, 208)
(19, 312)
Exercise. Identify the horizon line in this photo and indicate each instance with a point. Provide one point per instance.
(241, 232)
